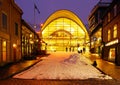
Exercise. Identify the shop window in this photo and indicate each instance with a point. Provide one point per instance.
(115, 31)
(109, 36)
(112, 54)
(4, 50)
(4, 21)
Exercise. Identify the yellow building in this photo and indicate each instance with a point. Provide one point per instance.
(64, 31)
(10, 32)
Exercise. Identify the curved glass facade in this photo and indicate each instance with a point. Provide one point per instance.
(64, 34)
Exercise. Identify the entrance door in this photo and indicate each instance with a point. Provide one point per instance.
(112, 54)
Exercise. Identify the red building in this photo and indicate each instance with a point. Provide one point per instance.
(111, 33)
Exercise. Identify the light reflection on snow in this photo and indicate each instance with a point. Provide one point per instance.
(63, 66)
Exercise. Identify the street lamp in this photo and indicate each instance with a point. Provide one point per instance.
(14, 45)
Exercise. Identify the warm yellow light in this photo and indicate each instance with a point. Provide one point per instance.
(42, 32)
(78, 48)
(115, 31)
(63, 33)
(112, 54)
(30, 35)
(31, 42)
(37, 40)
(112, 42)
(72, 30)
(4, 43)
(14, 45)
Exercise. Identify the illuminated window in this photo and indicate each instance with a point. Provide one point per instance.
(112, 54)
(108, 17)
(31, 35)
(115, 31)
(62, 33)
(62, 30)
(4, 21)
(109, 35)
(4, 50)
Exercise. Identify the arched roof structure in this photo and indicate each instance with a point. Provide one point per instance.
(65, 15)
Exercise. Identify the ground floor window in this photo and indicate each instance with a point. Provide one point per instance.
(4, 50)
(112, 54)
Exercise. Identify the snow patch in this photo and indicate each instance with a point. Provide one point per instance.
(63, 66)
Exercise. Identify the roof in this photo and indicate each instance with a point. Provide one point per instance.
(101, 3)
(65, 14)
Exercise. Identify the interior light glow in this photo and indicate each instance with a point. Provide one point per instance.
(14, 45)
(30, 35)
(112, 42)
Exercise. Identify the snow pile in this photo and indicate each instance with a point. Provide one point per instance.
(76, 58)
(62, 66)
(72, 59)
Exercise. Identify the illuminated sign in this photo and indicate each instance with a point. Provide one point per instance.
(112, 42)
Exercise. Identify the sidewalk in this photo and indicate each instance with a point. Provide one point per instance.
(12, 69)
(108, 68)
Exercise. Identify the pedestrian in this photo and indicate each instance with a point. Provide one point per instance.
(84, 50)
(66, 49)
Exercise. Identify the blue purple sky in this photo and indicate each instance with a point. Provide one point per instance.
(81, 8)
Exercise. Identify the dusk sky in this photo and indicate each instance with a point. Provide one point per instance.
(81, 8)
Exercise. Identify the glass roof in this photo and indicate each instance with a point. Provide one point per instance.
(63, 29)
(63, 25)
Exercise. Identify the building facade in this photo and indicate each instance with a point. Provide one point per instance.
(30, 41)
(10, 32)
(95, 27)
(64, 31)
(111, 33)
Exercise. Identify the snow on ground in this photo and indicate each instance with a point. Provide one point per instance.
(62, 66)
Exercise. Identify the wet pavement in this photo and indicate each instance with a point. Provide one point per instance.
(14, 68)
(106, 67)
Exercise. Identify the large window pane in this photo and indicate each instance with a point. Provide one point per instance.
(63, 33)
(4, 20)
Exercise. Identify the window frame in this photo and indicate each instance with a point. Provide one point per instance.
(109, 34)
(115, 31)
(108, 16)
(4, 20)
(16, 29)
